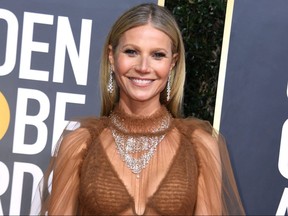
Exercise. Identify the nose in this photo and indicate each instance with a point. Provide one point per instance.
(143, 65)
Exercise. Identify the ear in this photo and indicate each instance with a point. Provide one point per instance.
(111, 56)
(174, 60)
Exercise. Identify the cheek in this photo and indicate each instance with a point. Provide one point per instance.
(122, 65)
(164, 71)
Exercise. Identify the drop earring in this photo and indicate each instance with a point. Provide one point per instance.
(168, 87)
(110, 86)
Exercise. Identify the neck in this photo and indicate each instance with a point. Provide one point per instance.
(139, 107)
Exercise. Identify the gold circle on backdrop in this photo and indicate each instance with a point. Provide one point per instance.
(4, 115)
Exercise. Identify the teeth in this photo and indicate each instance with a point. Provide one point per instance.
(141, 81)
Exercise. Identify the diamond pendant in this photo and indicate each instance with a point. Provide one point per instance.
(143, 142)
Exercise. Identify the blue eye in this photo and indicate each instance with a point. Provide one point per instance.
(159, 55)
(130, 52)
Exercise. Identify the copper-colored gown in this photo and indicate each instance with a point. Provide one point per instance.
(189, 173)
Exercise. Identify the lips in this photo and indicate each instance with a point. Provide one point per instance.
(141, 82)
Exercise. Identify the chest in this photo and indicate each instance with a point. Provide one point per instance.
(168, 185)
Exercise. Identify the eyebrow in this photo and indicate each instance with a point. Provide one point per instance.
(138, 48)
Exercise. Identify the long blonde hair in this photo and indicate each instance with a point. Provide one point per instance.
(163, 20)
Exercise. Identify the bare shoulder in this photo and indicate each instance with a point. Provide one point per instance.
(201, 133)
(73, 142)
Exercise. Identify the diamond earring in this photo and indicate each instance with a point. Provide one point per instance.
(168, 87)
(110, 86)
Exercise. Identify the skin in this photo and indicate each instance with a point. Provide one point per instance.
(142, 62)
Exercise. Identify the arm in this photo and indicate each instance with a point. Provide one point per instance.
(210, 175)
(65, 185)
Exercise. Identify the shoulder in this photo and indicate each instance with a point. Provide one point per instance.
(194, 126)
(78, 134)
(95, 125)
(201, 134)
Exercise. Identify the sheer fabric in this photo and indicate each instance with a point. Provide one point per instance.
(189, 173)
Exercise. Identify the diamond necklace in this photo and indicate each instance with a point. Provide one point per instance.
(144, 143)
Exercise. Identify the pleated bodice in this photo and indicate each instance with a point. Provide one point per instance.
(167, 186)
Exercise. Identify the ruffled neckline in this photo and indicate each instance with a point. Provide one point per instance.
(157, 123)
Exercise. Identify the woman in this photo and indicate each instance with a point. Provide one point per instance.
(140, 157)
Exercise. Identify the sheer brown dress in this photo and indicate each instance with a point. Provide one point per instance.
(189, 172)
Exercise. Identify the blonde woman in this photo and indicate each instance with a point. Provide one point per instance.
(140, 157)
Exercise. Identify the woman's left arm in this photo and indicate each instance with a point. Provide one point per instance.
(210, 175)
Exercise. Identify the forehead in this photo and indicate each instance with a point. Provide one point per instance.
(145, 34)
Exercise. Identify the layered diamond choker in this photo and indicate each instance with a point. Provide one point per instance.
(133, 137)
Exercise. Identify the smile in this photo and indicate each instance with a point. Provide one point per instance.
(141, 81)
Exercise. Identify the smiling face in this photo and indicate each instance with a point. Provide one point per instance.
(141, 63)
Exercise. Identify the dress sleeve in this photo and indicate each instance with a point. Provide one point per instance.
(217, 190)
(60, 197)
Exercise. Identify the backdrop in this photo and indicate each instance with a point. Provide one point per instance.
(252, 102)
(49, 60)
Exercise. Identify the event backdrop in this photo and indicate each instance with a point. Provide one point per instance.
(49, 62)
(253, 115)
